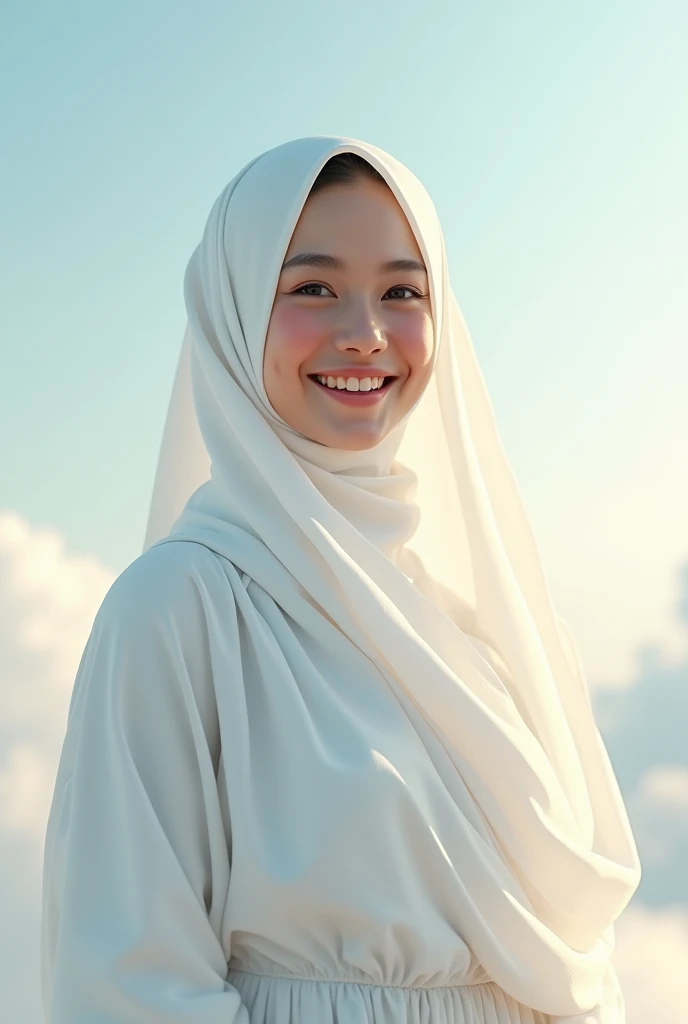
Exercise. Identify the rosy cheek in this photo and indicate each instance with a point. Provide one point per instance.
(294, 335)
(414, 337)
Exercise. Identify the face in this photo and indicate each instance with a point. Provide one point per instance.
(344, 312)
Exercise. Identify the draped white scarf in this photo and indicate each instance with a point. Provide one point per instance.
(410, 548)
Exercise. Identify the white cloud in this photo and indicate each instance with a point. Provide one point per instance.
(25, 790)
(651, 956)
(666, 786)
(48, 600)
(659, 813)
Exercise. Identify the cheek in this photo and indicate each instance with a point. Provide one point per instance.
(414, 337)
(293, 336)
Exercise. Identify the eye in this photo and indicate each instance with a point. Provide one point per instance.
(312, 284)
(405, 288)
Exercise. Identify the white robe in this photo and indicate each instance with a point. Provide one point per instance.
(396, 797)
(263, 854)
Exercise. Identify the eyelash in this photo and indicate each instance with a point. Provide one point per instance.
(317, 284)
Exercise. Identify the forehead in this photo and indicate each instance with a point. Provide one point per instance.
(362, 217)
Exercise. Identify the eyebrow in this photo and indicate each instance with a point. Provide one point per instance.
(320, 259)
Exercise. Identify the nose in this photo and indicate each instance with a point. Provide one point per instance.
(361, 335)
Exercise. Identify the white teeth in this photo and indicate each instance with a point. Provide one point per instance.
(352, 383)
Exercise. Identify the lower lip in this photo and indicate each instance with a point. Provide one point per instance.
(354, 397)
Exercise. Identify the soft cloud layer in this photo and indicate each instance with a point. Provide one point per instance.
(658, 810)
(645, 726)
(651, 957)
(48, 600)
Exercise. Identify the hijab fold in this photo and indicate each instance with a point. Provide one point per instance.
(419, 550)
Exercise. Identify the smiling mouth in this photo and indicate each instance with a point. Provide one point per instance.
(371, 391)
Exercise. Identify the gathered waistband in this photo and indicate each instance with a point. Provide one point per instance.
(272, 998)
(352, 981)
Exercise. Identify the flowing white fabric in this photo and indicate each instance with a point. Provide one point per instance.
(417, 552)
(553, 860)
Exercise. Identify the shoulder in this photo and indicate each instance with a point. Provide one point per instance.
(169, 582)
(153, 633)
(165, 607)
(146, 671)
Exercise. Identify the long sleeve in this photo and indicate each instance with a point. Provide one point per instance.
(137, 852)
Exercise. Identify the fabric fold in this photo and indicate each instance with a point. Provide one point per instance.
(409, 756)
(554, 862)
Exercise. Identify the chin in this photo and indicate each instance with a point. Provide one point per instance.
(353, 444)
(349, 441)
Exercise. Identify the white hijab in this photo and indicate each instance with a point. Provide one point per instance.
(411, 548)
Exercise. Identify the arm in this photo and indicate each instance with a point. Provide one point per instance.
(137, 857)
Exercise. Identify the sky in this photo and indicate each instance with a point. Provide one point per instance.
(553, 139)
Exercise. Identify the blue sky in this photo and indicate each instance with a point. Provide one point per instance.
(553, 137)
(553, 140)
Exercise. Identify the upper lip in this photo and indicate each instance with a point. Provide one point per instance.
(353, 371)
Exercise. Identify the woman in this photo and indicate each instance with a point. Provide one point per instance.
(330, 754)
